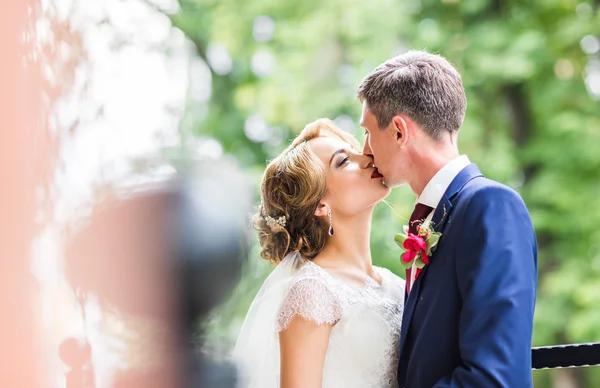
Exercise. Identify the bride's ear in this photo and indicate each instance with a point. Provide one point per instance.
(322, 210)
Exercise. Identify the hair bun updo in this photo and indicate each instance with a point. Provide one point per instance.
(292, 186)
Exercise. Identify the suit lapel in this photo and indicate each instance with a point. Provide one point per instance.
(439, 219)
(441, 214)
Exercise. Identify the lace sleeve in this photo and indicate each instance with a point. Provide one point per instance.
(312, 299)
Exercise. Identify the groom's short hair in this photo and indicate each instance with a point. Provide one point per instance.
(423, 86)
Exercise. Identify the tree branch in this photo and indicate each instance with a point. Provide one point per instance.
(521, 123)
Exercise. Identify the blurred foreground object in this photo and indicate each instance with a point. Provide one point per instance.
(168, 255)
(23, 160)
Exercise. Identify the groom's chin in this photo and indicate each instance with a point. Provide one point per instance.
(392, 185)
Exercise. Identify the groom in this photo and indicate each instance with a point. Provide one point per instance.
(468, 314)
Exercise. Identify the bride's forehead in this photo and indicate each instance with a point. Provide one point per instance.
(324, 146)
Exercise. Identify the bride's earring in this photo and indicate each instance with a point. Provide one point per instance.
(330, 224)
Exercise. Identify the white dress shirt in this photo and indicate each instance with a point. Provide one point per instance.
(435, 189)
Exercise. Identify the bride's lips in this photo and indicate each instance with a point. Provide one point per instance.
(376, 174)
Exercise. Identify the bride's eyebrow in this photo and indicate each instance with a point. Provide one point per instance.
(340, 151)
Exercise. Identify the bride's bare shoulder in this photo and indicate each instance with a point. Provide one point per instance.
(308, 269)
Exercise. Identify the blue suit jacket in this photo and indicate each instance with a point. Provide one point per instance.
(468, 319)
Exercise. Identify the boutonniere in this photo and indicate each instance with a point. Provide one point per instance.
(418, 247)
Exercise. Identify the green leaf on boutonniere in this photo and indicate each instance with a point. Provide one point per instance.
(419, 262)
(399, 239)
(405, 265)
(432, 241)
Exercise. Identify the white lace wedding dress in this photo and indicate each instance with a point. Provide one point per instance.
(363, 345)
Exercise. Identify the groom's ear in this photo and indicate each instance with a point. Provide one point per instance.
(322, 210)
(400, 129)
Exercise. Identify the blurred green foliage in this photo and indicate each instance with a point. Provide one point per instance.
(530, 122)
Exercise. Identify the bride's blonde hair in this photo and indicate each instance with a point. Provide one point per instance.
(292, 186)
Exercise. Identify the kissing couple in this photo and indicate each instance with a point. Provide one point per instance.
(326, 317)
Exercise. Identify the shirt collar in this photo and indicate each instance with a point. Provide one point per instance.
(437, 186)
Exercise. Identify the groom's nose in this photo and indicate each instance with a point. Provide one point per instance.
(367, 148)
(366, 161)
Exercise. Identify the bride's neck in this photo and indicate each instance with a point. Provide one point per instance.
(350, 243)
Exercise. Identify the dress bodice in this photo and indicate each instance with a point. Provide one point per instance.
(363, 344)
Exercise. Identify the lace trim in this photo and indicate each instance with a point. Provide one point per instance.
(316, 295)
(312, 299)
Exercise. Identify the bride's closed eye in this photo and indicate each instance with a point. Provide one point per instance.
(343, 161)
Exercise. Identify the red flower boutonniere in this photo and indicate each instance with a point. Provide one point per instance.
(418, 247)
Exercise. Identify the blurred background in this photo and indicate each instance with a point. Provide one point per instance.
(131, 88)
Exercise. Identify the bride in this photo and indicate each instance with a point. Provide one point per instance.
(325, 317)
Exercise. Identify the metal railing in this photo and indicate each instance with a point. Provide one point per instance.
(566, 356)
